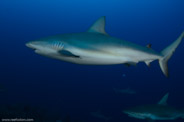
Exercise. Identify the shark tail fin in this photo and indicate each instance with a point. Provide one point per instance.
(167, 53)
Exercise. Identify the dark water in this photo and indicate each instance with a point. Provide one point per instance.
(63, 90)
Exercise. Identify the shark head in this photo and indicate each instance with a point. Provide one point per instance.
(55, 47)
(138, 113)
(45, 46)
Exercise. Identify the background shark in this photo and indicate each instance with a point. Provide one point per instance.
(96, 47)
(160, 111)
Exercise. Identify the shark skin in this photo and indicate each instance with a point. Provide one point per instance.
(96, 47)
(160, 111)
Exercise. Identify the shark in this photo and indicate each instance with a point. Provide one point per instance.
(96, 47)
(159, 111)
(125, 91)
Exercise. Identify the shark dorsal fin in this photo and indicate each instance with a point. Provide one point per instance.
(163, 101)
(98, 26)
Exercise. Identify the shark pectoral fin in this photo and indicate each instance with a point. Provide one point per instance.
(98, 26)
(67, 54)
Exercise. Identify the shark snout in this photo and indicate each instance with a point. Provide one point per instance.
(30, 45)
(34, 44)
(126, 112)
(129, 112)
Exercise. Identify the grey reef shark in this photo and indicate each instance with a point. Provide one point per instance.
(96, 47)
(160, 111)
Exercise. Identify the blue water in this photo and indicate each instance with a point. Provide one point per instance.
(67, 89)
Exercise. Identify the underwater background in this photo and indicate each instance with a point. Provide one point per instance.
(71, 92)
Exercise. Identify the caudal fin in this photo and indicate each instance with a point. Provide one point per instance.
(167, 53)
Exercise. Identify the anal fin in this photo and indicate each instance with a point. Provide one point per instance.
(148, 62)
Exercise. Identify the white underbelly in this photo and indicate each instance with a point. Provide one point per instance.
(106, 57)
(94, 60)
(86, 57)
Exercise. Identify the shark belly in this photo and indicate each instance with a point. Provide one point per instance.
(106, 56)
(85, 57)
(154, 117)
(93, 59)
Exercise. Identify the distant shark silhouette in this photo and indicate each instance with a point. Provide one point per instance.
(160, 111)
(96, 47)
(124, 91)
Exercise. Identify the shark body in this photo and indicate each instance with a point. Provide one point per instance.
(160, 111)
(96, 47)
